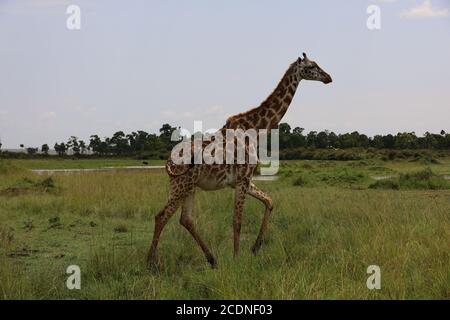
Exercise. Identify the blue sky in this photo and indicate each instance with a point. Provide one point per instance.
(137, 64)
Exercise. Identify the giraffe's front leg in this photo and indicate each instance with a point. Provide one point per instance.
(241, 191)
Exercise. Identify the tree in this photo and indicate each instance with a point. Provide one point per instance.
(74, 145)
(31, 150)
(83, 146)
(377, 142)
(388, 141)
(447, 141)
(95, 143)
(166, 132)
(311, 139)
(322, 140)
(363, 141)
(166, 137)
(119, 143)
(298, 131)
(332, 140)
(405, 140)
(60, 148)
(45, 149)
(284, 128)
(297, 138)
(285, 135)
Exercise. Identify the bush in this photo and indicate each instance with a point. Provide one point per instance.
(421, 180)
(26, 186)
(299, 182)
(121, 228)
(385, 184)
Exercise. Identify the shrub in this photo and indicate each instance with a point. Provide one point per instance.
(385, 184)
(27, 185)
(121, 228)
(299, 182)
(421, 180)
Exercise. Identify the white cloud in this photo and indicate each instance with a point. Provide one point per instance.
(425, 10)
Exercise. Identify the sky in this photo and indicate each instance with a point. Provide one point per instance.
(135, 65)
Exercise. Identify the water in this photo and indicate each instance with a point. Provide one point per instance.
(265, 178)
(445, 176)
(106, 169)
(71, 171)
(384, 177)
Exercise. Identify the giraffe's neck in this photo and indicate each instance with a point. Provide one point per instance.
(270, 112)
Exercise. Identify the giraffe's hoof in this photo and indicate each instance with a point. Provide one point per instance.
(212, 261)
(255, 248)
(154, 264)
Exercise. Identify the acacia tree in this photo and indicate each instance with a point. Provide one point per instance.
(74, 145)
(83, 146)
(31, 150)
(45, 148)
(97, 145)
(119, 143)
(60, 148)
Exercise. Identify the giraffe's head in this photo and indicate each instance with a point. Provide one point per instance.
(309, 70)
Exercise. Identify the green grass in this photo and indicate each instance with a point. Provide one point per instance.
(323, 235)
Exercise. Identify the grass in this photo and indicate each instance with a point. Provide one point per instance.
(26, 185)
(325, 231)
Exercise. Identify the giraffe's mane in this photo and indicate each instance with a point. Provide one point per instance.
(287, 73)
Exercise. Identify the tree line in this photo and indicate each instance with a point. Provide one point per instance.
(158, 145)
(325, 139)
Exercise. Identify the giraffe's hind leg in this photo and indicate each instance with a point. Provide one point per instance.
(264, 198)
(179, 190)
(187, 222)
(241, 190)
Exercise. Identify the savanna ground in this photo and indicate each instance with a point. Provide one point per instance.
(331, 221)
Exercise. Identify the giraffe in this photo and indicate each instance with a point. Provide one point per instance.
(184, 179)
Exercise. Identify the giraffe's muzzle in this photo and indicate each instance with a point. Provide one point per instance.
(327, 79)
